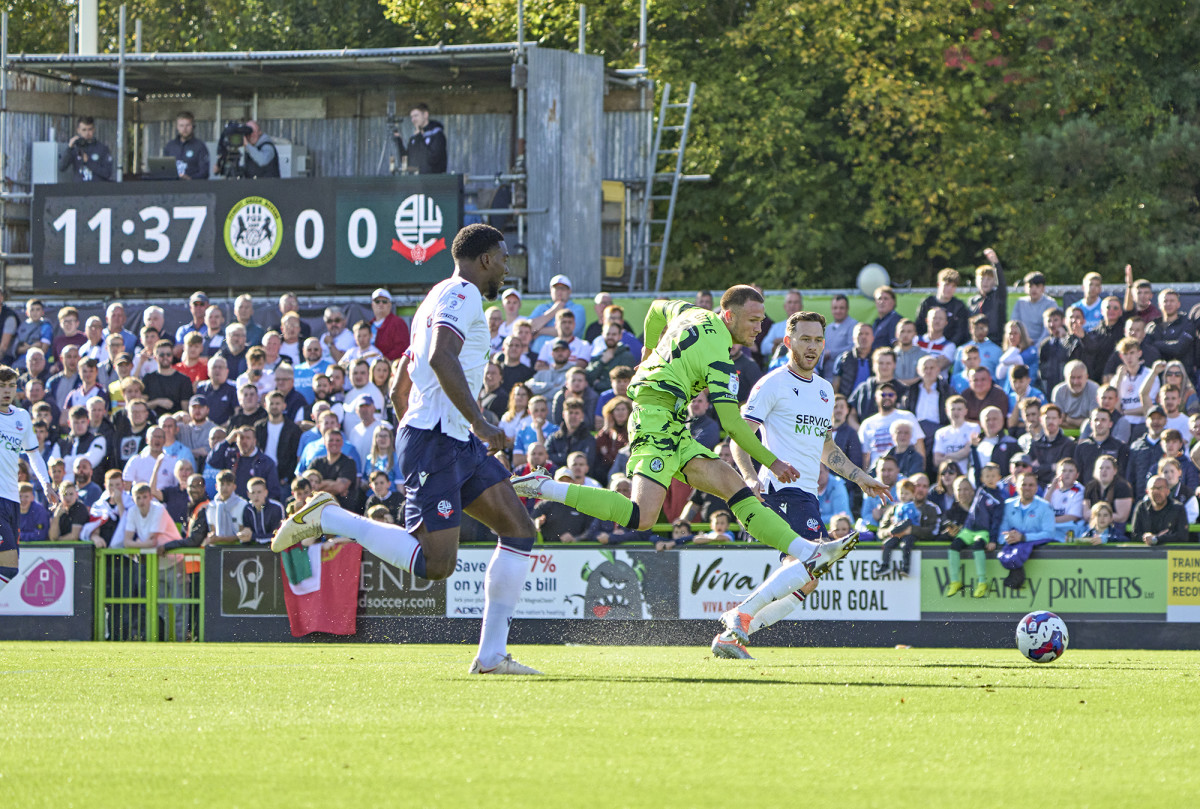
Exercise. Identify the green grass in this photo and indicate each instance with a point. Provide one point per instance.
(138, 725)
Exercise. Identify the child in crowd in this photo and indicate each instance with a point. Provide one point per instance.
(718, 525)
(1066, 498)
(840, 526)
(1101, 529)
(681, 534)
(979, 533)
(895, 529)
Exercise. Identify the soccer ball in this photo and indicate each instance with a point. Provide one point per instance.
(1042, 636)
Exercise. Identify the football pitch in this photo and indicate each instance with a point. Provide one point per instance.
(320, 725)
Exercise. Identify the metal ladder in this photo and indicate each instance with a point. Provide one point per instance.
(654, 234)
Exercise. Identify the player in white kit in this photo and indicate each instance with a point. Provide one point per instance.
(793, 408)
(443, 449)
(16, 437)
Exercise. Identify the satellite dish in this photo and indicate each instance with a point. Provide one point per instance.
(872, 277)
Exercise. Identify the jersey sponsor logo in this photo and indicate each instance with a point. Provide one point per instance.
(807, 424)
(734, 384)
(656, 465)
(418, 224)
(444, 509)
(455, 302)
(253, 231)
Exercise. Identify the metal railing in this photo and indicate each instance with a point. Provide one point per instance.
(143, 596)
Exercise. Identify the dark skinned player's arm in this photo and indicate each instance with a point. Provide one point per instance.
(401, 385)
(443, 359)
(730, 416)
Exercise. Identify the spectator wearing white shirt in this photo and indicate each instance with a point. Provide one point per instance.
(363, 348)
(953, 442)
(141, 467)
(148, 525)
(934, 340)
(337, 339)
(581, 350)
(360, 381)
(257, 373)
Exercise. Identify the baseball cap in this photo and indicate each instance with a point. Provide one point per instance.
(381, 293)
(1034, 277)
(510, 291)
(197, 400)
(1022, 457)
(362, 400)
(560, 279)
(123, 357)
(562, 472)
(1156, 410)
(198, 296)
(560, 343)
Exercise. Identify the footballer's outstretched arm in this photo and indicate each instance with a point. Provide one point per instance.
(836, 460)
(445, 346)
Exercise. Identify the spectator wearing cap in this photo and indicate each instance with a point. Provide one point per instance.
(123, 366)
(218, 393)
(115, 318)
(198, 305)
(543, 315)
(510, 299)
(390, 331)
(1032, 306)
(1146, 450)
(595, 329)
(548, 380)
(194, 433)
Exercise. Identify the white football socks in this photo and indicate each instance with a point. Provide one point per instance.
(555, 490)
(774, 612)
(801, 548)
(503, 585)
(391, 543)
(784, 581)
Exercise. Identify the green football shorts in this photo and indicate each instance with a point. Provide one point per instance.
(660, 445)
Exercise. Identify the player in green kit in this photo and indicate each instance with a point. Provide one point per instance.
(687, 350)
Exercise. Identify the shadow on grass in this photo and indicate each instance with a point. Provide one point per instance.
(772, 681)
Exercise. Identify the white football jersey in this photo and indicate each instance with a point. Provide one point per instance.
(456, 305)
(795, 414)
(950, 439)
(16, 436)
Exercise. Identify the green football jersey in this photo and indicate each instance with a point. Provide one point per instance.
(692, 354)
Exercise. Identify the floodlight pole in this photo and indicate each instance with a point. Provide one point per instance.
(3, 144)
(519, 163)
(121, 98)
(582, 29)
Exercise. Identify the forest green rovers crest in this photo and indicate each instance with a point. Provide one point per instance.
(253, 231)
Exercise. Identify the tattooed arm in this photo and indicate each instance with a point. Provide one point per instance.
(835, 459)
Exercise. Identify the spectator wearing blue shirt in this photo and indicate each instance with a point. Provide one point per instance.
(989, 352)
(198, 304)
(542, 316)
(115, 317)
(1020, 386)
(34, 520)
(314, 363)
(1027, 523)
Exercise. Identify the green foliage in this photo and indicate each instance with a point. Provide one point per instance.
(838, 132)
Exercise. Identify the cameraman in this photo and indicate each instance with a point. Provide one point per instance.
(86, 157)
(190, 153)
(426, 150)
(259, 158)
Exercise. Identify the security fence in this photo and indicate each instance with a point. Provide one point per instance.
(144, 595)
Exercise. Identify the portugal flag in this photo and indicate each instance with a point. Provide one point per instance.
(321, 588)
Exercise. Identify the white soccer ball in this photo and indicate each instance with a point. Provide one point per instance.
(1042, 636)
(872, 277)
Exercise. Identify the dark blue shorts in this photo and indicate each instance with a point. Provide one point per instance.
(10, 522)
(799, 509)
(442, 475)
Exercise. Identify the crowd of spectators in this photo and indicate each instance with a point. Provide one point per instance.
(229, 423)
